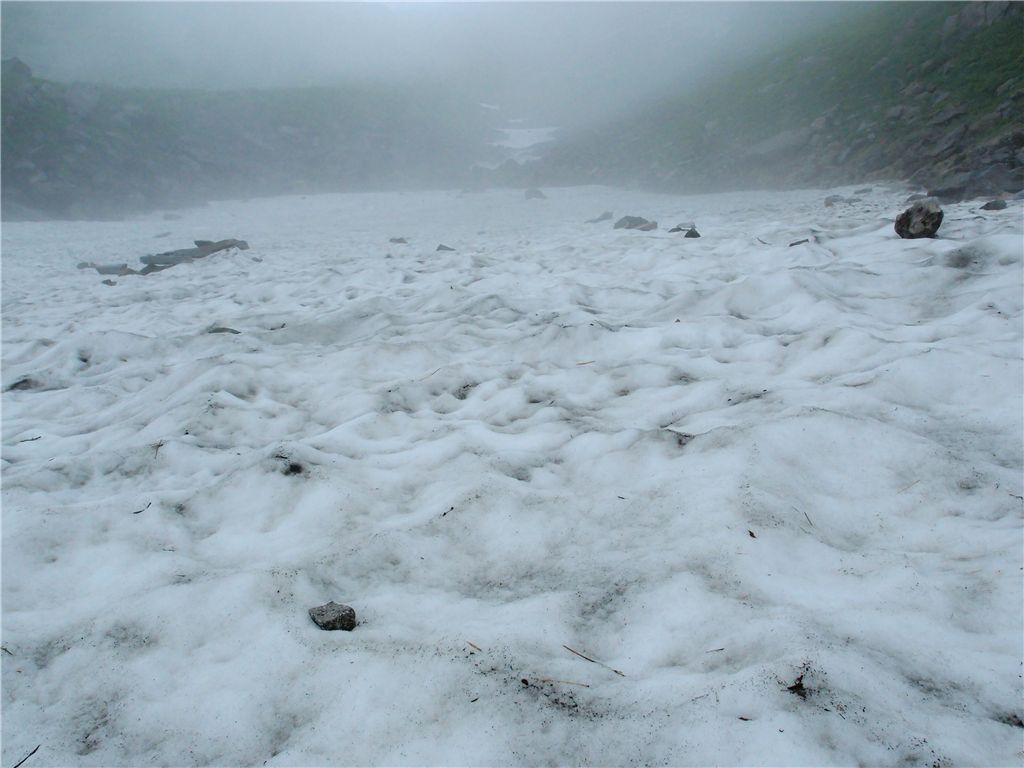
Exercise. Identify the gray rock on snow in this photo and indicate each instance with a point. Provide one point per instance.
(203, 248)
(922, 219)
(689, 229)
(334, 615)
(994, 205)
(535, 194)
(635, 222)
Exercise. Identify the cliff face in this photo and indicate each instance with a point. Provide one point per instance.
(81, 151)
(930, 92)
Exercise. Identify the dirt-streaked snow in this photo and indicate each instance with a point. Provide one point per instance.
(714, 465)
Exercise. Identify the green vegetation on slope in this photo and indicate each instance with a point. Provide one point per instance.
(872, 95)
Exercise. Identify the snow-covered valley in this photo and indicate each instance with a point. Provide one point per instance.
(774, 492)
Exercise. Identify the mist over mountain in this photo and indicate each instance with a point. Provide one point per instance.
(113, 108)
(86, 151)
(926, 92)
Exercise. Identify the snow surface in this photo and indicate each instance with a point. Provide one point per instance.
(715, 465)
(524, 138)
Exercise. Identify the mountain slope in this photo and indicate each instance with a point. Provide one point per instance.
(86, 151)
(919, 90)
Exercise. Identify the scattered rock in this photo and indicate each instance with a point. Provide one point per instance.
(832, 200)
(221, 329)
(23, 384)
(111, 269)
(108, 282)
(922, 219)
(607, 215)
(173, 217)
(334, 616)
(994, 205)
(632, 222)
(863, 191)
(692, 233)
(650, 226)
(443, 247)
(535, 194)
(398, 241)
(203, 248)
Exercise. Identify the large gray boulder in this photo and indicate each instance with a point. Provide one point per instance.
(922, 219)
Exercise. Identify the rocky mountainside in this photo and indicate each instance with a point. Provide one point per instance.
(930, 92)
(83, 151)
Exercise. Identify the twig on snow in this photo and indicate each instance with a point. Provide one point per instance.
(564, 682)
(805, 515)
(594, 661)
(474, 646)
(908, 487)
(430, 374)
(26, 757)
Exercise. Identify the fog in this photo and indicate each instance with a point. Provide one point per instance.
(547, 62)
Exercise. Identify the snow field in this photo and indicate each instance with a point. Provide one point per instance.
(713, 464)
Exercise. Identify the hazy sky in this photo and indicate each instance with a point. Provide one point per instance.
(549, 61)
